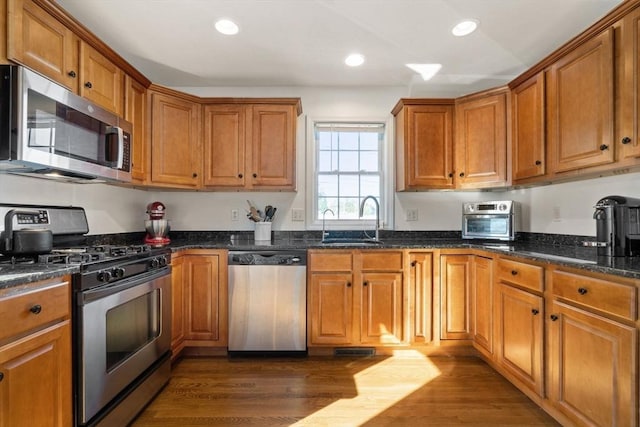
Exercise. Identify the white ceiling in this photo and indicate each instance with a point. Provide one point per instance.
(304, 42)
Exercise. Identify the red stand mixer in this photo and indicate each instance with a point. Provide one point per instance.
(157, 227)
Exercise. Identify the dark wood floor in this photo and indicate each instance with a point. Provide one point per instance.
(406, 390)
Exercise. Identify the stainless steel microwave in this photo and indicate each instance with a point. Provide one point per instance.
(46, 130)
(497, 220)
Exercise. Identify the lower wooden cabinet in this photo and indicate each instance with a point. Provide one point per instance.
(199, 286)
(481, 310)
(355, 297)
(35, 366)
(421, 287)
(455, 282)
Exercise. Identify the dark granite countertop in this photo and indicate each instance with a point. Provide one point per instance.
(551, 249)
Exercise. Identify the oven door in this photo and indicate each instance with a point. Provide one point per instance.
(498, 227)
(123, 329)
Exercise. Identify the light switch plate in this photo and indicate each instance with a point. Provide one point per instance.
(297, 214)
(412, 214)
(235, 215)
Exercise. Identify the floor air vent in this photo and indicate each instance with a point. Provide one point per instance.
(356, 351)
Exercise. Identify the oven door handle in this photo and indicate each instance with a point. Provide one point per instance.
(106, 290)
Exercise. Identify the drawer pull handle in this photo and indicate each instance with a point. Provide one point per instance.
(582, 291)
(535, 311)
(514, 272)
(554, 317)
(36, 309)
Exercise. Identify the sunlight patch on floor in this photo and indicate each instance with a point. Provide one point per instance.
(379, 387)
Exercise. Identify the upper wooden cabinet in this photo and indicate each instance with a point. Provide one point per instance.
(101, 81)
(424, 144)
(175, 140)
(135, 112)
(249, 145)
(528, 129)
(39, 41)
(580, 97)
(481, 140)
(628, 91)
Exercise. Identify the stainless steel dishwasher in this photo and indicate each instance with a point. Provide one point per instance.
(267, 302)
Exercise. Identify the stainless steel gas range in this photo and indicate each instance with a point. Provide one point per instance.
(121, 315)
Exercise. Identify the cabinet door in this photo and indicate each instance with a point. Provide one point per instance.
(39, 41)
(331, 308)
(482, 304)
(224, 145)
(177, 304)
(427, 151)
(481, 142)
(593, 376)
(273, 147)
(35, 387)
(175, 135)
(580, 99)
(101, 80)
(135, 112)
(629, 92)
(381, 315)
(421, 291)
(528, 136)
(205, 299)
(520, 323)
(455, 277)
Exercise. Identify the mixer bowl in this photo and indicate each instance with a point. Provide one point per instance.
(157, 227)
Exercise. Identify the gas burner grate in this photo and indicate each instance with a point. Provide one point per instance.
(116, 250)
(20, 260)
(65, 257)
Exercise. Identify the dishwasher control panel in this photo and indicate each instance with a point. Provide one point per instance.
(274, 257)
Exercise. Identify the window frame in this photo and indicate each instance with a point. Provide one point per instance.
(314, 219)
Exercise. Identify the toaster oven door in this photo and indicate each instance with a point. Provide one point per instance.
(498, 227)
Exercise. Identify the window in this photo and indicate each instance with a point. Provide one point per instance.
(348, 168)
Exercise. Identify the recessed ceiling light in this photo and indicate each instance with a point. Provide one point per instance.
(425, 70)
(227, 27)
(465, 27)
(354, 60)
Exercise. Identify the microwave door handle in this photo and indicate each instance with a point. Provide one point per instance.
(120, 148)
(114, 132)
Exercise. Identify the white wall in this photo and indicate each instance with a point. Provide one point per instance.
(113, 209)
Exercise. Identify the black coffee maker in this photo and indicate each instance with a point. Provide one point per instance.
(617, 226)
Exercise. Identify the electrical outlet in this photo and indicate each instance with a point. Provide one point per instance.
(235, 215)
(556, 214)
(297, 214)
(412, 214)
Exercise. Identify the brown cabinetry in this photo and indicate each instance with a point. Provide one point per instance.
(35, 355)
(421, 287)
(424, 144)
(455, 282)
(250, 145)
(101, 81)
(580, 97)
(135, 112)
(520, 319)
(528, 129)
(593, 350)
(175, 140)
(177, 304)
(482, 305)
(481, 140)
(628, 91)
(355, 297)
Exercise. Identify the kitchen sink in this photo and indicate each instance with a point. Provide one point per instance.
(350, 242)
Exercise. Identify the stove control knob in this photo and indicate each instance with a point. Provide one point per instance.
(118, 272)
(163, 261)
(155, 263)
(104, 276)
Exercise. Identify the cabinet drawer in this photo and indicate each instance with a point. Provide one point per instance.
(607, 296)
(331, 261)
(28, 310)
(519, 273)
(381, 260)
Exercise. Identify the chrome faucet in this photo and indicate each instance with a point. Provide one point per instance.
(377, 213)
(324, 233)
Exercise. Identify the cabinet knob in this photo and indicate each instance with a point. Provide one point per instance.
(604, 147)
(626, 140)
(514, 272)
(582, 291)
(255, 175)
(72, 74)
(450, 174)
(88, 85)
(365, 283)
(553, 317)
(348, 284)
(36, 309)
(239, 175)
(535, 311)
(195, 175)
(1, 376)
(538, 162)
(413, 263)
(461, 174)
